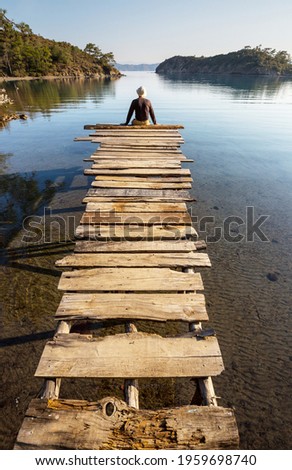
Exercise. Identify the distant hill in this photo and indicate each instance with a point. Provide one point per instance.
(247, 61)
(25, 54)
(136, 67)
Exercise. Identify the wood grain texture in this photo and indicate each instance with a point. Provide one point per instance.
(78, 424)
(132, 355)
(165, 194)
(129, 279)
(163, 260)
(142, 306)
(143, 218)
(139, 185)
(135, 232)
(167, 246)
(136, 207)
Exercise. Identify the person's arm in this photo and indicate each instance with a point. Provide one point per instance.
(130, 112)
(151, 112)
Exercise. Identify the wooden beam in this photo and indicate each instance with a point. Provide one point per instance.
(111, 424)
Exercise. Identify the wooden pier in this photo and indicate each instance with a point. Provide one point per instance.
(137, 257)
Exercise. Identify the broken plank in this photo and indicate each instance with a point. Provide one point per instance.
(153, 307)
(134, 355)
(162, 260)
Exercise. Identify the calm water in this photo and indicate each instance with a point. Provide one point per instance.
(238, 131)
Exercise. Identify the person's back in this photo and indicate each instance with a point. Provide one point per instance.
(143, 110)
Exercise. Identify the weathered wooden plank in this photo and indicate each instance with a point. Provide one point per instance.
(119, 126)
(144, 218)
(167, 194)
(142, 179)
(136, 132)
(134, 355)
(129, 279)
(135, 232)
(132, 146)
(134, 137)
(168, 246)
(161, 260)
(154, 307)
(138, 184)
(180, 172)
(117, 164)
(177, 152)
(131, 199)
(136, 207)
(134, 156)
(141, 131)
(76, 424)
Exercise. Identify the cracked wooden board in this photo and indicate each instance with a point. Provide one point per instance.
(110, 424)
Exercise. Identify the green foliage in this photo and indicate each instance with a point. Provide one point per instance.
(255, 61)
(23, 53)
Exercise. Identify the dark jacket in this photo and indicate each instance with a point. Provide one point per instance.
(143, 108)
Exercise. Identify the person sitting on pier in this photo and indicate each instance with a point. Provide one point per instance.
(143, 109)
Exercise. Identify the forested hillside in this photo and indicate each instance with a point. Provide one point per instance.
(247, 61)
(23, 53)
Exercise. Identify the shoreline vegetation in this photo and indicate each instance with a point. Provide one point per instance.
(255, 61)
(28, 56)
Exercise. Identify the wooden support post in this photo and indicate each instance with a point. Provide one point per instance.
(207, 391)
(205, 384)
(51, 387)
(131, 387)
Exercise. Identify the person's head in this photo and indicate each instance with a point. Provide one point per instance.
(141, 91)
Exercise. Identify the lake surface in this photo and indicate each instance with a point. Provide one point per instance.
(238, 131)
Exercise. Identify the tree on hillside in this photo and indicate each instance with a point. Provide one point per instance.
(23, 53)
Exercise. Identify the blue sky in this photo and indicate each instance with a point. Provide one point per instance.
(154, 30)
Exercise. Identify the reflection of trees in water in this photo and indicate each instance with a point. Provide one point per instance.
(239, 86)
(47, 95)
(19, 196)
(3, 163)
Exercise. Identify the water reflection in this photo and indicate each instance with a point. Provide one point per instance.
(46, 96)
(19, 197)
(239, 86)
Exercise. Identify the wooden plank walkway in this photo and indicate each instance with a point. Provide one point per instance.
(137, 257)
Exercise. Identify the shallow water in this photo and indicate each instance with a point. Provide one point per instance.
(238, 131)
